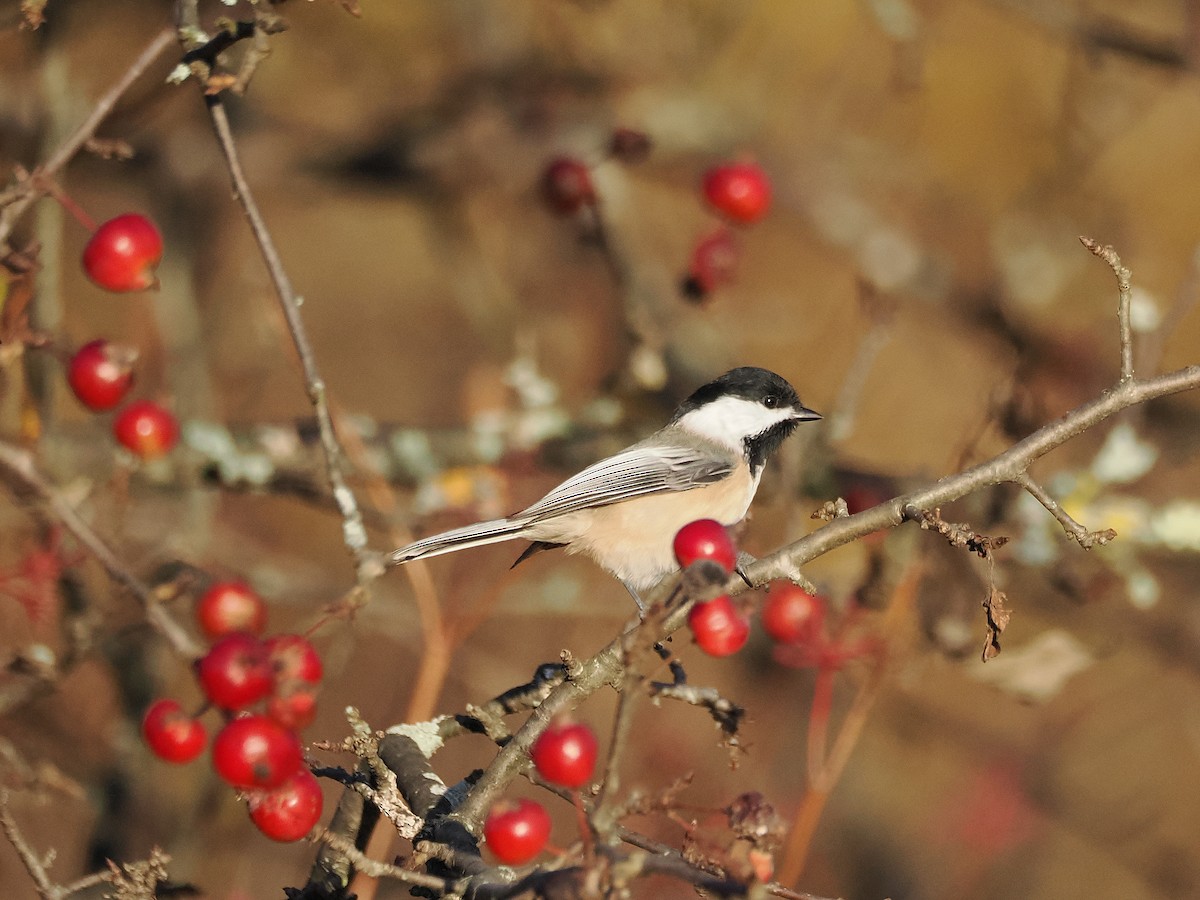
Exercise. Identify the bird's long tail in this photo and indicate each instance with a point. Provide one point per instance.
(460, 539)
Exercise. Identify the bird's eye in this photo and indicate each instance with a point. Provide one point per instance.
(770, 401)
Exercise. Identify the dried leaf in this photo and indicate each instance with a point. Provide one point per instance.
(997, 620)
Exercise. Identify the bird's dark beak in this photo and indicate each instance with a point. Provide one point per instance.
(804, 414)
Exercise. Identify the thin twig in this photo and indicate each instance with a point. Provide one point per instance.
(46, 888)
(377, 869)
(19, 470)
(1087, 539)
(1109, 255)
(83, 133)
(353, 532)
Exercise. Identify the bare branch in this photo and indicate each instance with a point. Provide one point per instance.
(1087, 539)
(1006, 466)
(17, 468)
(1109, 255)
(353, 532)
(22, 199)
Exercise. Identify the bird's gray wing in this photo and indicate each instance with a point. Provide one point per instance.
(642, 469)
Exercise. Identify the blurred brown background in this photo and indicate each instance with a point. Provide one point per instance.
(941, 155)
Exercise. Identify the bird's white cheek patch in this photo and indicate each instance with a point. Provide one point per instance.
(730, 420)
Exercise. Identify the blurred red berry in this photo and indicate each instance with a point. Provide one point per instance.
(288, 812)
(172, 734)
(122, 254)
(516, 830)
(565, 753)
(705, 539)
(101, 373)
(255, 752)
(714, 260)
(235, 672)
(567, 185)
(739, 191)
(791, 615)
(146, 429)
(719, 627)
(293, 659)
(294, 708)
(229, 606)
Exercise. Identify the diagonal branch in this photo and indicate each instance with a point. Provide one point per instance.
(353, 531)
(1087, 539)
(18, 469)
(1007, 466)
(66, 151)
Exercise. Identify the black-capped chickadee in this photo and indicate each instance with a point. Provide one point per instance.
(624, 511)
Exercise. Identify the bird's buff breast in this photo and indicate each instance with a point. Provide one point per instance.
(633, 540)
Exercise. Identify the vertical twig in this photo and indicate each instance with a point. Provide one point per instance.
(1109, 255)
(353, 531)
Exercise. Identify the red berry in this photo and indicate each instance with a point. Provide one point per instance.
(288, 812)
(705, 539)
(101, 374)
(229, 606)
(719, 627)
(714, 260)
(122, 254)
(171, 733)
(567, 185)
(293, 659)
(254, 752)
(146, 429)
(791, 615)
(516, 830)
(295, 708)
(740, 191)
(235, 672)
(565, 753)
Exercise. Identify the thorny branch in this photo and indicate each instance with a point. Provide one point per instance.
(18, 469)
(133, 881)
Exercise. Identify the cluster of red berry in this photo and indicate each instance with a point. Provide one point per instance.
(564, 754)
(267, 690)
(738, 191)
(741, 193)
(121, 256)
(790, 616)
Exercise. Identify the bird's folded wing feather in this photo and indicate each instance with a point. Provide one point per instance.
(634, 472)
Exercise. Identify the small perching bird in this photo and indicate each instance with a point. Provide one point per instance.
(624, 511)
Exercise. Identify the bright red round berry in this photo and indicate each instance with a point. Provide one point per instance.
(719, 627)
(146, 429)
(791, 614)
(705, 539)
(229, 606)
(288, 812)
(171, 733)
(714, 260)
(565, 753)
(235, 672)
(101, 373)
(255, 752)
(516, 830)
(739, 191)
(122, 254)
(567, 185)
